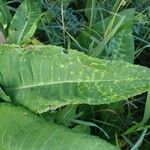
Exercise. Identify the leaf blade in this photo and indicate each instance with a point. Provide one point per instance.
(24, 22)
(32, 132)
(43, 77)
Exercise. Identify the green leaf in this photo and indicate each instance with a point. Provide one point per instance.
(3, 96)
(91, 11)
(112, 37)
(82, 129)
(44, 77)
(147, 110)
(64, 116)
(5, 15)
(24, 22)
(20, 129)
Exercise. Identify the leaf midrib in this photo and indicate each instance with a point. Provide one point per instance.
(74, 81)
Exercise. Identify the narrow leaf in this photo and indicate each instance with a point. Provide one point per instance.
(3, 96)
(147, 109)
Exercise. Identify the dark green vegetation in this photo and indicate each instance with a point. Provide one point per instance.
(74, 74)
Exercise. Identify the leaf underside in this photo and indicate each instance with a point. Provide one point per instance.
(44, 77)
(22, 130)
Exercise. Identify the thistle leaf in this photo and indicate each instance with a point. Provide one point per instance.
(22, 130)
(44, 77)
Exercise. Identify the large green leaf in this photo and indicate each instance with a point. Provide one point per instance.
(22, 130)
(44, 77)
(24, 22)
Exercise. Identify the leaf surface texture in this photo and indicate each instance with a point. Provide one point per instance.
(44, 77)
(22, 130)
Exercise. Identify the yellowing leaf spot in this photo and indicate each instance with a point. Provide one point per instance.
(71, 73)
(62, 66)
